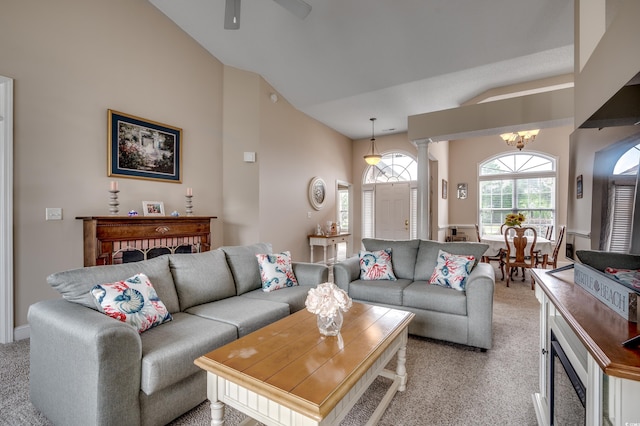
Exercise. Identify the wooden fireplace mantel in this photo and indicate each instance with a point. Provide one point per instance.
(107, 237)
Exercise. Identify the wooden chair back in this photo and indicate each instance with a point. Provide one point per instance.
(549, 232)
(478, 232)
(554, 257)
(517, 254)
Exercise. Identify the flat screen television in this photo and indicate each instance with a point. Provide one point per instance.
(595, 147)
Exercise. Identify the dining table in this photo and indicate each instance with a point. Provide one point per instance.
(496, 242)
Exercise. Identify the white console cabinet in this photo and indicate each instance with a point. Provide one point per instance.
(590, 334)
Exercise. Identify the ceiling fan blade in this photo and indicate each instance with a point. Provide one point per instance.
(232, 15)
(297, 7)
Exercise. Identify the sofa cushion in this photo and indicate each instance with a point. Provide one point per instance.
(421, 295)
(168, 351)
(383, 291)
(276, 271)
(75, 285)
(201, 277)
(452, 270)
(403, 254)
(376, 265)
(244, 265)
(292, 296)
(428, 255)
(245, 313)
(133, 301)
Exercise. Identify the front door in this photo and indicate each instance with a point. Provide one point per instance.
(392, 211)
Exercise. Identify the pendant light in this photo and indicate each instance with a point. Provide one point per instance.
(373, 158)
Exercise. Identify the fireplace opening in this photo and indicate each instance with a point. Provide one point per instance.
(567, 393)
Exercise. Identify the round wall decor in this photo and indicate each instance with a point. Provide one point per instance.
(317, 192)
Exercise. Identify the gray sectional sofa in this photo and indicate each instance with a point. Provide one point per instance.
(90, 369)
(441, 313)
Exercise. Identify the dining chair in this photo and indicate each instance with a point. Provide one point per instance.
(553, 259)
(548, 233)
(497, 257)
(517, 256)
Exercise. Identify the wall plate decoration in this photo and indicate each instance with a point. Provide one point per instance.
(317, 192)
(143, 149)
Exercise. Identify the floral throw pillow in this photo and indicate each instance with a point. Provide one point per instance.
(133, 301)
(627, 276)
(376, 265)
(276, 271)
(452, 270)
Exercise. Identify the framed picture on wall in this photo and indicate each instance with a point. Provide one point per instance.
(444, 189)
(143, 149)
(579, 187)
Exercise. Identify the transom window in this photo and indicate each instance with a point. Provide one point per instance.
(393, 167)
(517, 183)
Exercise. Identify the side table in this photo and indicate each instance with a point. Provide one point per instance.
(328, 240)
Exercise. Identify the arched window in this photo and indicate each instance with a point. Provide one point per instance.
(394, 168)
(517, 183)
(622, 188)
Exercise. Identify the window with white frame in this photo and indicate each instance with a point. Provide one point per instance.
(394, 167)
(517, 183)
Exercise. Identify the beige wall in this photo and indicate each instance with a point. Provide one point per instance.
(268, 200)
(72, 60)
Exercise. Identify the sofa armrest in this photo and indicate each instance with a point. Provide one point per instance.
(84, 366)
(346, 271)
(479, 290)
(310, 274)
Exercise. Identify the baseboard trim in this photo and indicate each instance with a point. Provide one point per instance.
(22, 332)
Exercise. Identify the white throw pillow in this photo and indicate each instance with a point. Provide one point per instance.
(276, 271)
(376, 265)
(133, 301)
(452, 270)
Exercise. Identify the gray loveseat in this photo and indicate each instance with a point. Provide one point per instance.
(441, 313)
(90, 369)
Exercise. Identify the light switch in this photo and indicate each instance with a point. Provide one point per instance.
(53, 213)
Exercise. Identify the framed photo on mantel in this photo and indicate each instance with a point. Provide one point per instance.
(143, 149)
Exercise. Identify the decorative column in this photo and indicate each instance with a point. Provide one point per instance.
(423, 189)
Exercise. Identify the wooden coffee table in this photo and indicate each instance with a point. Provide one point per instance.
(288, 374)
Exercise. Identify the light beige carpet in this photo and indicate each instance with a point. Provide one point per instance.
(448, 384)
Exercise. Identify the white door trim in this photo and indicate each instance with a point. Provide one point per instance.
(6, 209)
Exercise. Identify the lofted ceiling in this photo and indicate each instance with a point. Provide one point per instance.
(350, 60)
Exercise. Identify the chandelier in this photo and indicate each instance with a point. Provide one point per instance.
(520, 139)
(373, 158)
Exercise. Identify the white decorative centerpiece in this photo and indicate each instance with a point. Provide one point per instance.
(328, 302)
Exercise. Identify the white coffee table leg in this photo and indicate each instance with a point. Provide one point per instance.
(401, 370)
(217, 413)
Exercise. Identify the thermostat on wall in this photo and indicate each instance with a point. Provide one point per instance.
(249, 157)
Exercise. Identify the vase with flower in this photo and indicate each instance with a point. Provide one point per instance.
(328, 302)
(514, 219)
